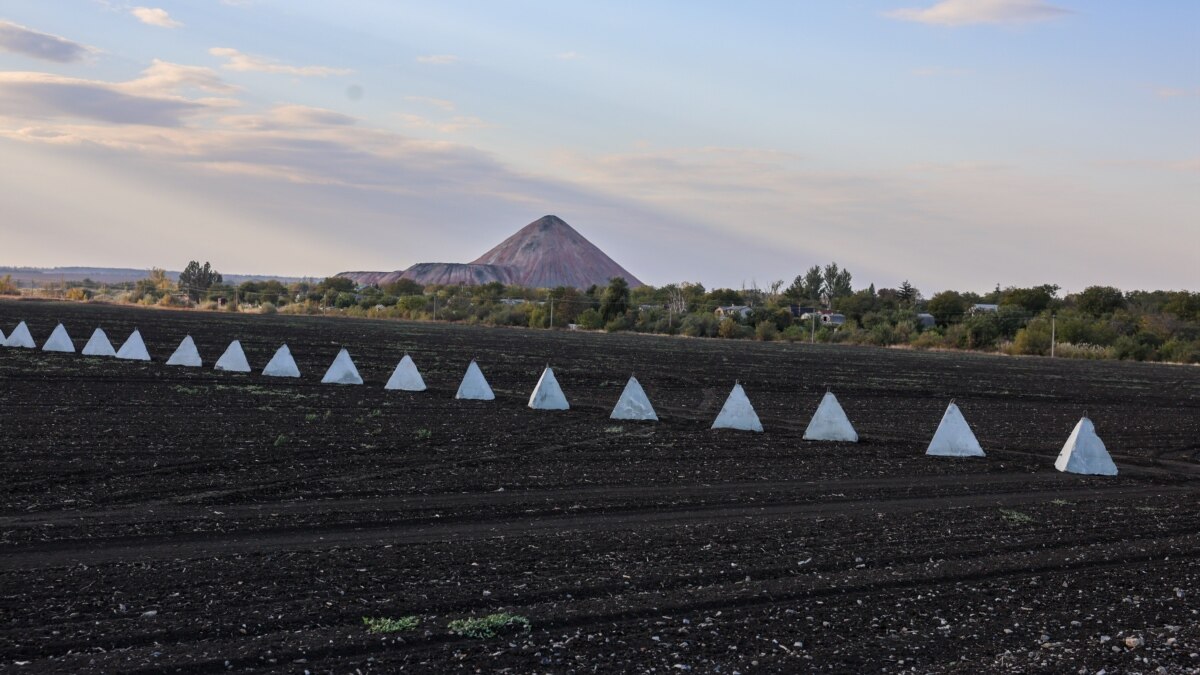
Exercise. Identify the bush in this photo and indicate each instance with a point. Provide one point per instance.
(795, 333)
(590, 319)
(267, 308)
(488, 626)
(729, 329)
(386, 625)
(1033, 339)
(78, 294)
(766, 331)
(619, 323)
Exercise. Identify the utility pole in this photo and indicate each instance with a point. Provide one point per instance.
(1053, 333)
(551, 312)
(813, 340)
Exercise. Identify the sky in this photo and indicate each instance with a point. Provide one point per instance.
(954, 144)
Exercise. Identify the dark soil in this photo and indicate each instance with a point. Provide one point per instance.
(161, 519)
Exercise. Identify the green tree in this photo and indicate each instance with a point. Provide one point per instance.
(615, 299)
(907, 294)
(402, 287)
(1099, 300)
(836, 282)
(196, 279)
(946, 306)
(1033, 300)
(335, 285)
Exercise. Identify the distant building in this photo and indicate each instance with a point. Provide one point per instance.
(799, 311)
(981, 307)
(733, 311)
(825, 316)
(926, 320)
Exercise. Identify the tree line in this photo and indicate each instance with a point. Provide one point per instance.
(1100, 322)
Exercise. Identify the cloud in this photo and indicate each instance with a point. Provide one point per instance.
(1175, 92)
(152, 99)
(568, 56)
(289, 117)
(439, 103)
(966, 12)
(155, 17)
(238, 61)
(438, 59)
(21, 40)
(450, 125)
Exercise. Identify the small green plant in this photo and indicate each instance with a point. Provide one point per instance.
(424, 434)
(280, 440)
(310, 417)
(1015, 517)
(386, 625)
(376, 413)
(1061, 502)
(190, 391)
(488, 626)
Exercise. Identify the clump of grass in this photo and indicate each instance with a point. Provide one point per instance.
(310, 417)
(488, 626)
(424, 434)
(190, 391)
(376, 413)
(1061, 502)
(1015, 517)
(280, 440)
(388, 625)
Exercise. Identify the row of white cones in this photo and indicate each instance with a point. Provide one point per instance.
(1083, 453)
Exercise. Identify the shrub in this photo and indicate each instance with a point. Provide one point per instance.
(267, 308)
(766, 331)
(78, 294)
(590, 319)
(729, 329)
(795, 333)
(386, 625)
(488, 626)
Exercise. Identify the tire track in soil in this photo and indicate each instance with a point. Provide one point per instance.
(129, 549)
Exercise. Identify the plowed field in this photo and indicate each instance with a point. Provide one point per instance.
(162, 519)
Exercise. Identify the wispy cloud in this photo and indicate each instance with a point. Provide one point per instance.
(155, 16)
(1175, 92)
(568, 56)
(438, 59)
(18, 39)
(966, 12)
(153, 99)
(450, 125)
(236, 60)
(439, 103)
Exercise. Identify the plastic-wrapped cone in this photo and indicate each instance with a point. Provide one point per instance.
(737, 413)
(474, 385)
(342, 370)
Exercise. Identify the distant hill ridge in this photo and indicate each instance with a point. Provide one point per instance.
(115, 275)
(544, 254)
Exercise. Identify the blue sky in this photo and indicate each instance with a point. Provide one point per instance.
(956, 144)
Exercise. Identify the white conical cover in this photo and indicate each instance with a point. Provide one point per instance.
(829, 423)
(633, 404)
(474, 386)
(737, 413)
(954, 437)
(547, 395)
(282, 364)
(1084, 452)
(406, 377)
(98, 345)
(20, 337)
(2, 338)
(134, 349)
(342, 370)
(234, 359)
(59, 341)
(186, 354)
